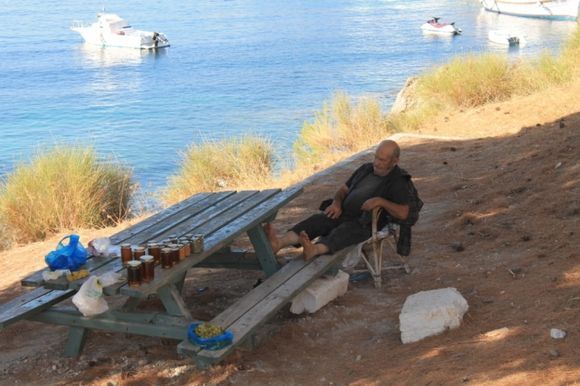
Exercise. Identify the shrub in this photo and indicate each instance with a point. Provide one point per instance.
(467, 81)
(227, 164)
(341, 127)
(64, 188)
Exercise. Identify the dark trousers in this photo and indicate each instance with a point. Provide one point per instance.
(336, 234)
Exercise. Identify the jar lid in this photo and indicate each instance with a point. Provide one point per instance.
(134, 263)
(126, 245)
(139, 249)
(146, 258)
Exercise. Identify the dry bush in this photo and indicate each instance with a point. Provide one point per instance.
(222, 165)
(64, 188)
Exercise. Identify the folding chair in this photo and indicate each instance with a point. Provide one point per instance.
(374, 258)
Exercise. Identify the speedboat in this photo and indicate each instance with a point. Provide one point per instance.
(545, 9)
(507, 38)
(110, 30)
(433, 26)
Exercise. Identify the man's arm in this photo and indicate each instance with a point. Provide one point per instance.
(399, 211)
(334, 210)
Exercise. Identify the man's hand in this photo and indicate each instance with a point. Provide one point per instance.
(334, 210)
(372, 203)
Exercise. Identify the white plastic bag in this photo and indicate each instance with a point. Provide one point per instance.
(102, 247)
(89, 299)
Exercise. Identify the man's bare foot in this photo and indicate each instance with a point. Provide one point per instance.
(271, 234)
(310, 249)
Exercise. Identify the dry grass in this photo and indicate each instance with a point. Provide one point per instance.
(222, 165)
(341, 127)
(63, 188)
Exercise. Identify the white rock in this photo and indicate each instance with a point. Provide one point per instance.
(556, 333)
(319, 293)
(429, 313)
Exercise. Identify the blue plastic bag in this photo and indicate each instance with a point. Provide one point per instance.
(214, 343)
(71, 256)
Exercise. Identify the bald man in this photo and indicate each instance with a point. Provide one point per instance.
(347, 220)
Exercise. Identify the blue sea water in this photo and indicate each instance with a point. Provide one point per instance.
(234, 67)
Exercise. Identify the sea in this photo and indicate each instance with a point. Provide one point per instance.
(235, 67)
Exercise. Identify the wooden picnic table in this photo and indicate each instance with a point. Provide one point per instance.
(220, 217)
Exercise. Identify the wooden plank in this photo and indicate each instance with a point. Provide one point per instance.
(75, 341)
(263, 250)
(248, 200)
(216, 241)
(93, 263)
(36, 280)
(192, 223)
(173, 302)
(29, 304)
(164, 226)
(246, 303)
(266, 308)
(162, 326)
(125, 234)
(237, 310)
(224, 203)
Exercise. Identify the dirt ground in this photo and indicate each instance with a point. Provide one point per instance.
(500, 224)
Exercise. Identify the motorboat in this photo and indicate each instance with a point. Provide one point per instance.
(507, 38)
(545, 9)
(433, 26)
(110, 30)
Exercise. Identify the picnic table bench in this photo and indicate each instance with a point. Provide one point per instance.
(221, 217)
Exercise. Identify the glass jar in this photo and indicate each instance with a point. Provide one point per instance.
(154, 250)
(126, 254)
(134, 273)
(138, 252)
(166, 258)
(147, 268)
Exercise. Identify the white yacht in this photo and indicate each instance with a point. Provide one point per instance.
(110, 30)
(545, 9)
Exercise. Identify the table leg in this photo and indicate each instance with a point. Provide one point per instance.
(180, 283)
(173, 302)
(75, 341)
(263, 250)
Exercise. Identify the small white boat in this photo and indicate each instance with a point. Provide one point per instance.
(112, 31)
(507, 38)
(545, 9)
(434, 27)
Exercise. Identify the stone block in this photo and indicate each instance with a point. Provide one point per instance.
(428, 313)
(321, 292)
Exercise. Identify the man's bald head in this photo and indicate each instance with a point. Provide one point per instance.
(391, 146)
(386, 157)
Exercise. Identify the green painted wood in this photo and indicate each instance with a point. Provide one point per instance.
(75, 341)
(29, 304)
(265, 309)
(190, 207)
(248, 302)
(126, 234)
(36, 280)
(180, 283)
(171, 298)
(231, 208)
(234, 259)
(158, 326)
(263, 250)
(195, 224)
(214, 242)
(166, 226)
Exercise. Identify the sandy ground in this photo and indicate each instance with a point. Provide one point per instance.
(500, 224)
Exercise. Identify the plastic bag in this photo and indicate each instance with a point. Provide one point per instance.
(102, 247)
(214, 343)
(71, 256)
(89, 299)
